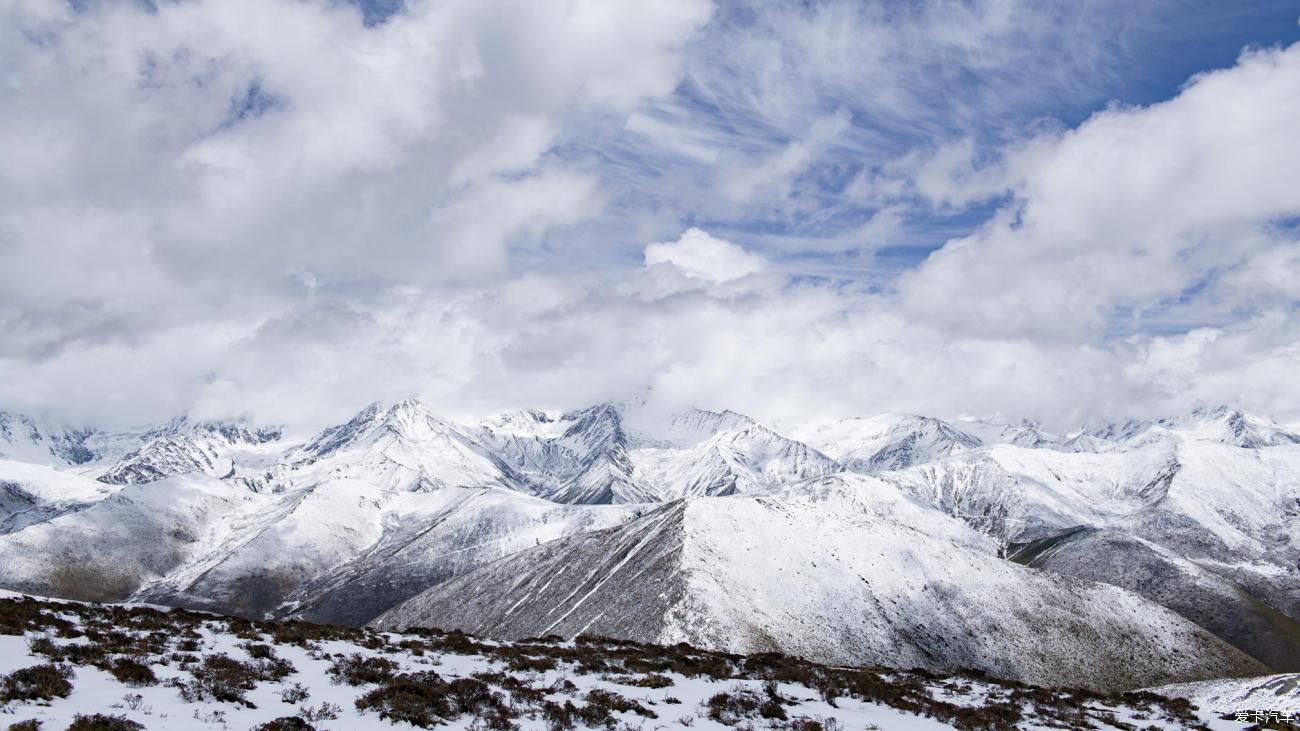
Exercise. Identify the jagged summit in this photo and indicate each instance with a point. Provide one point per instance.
(185, 447)
(887, 442)
(35, 440)
(1198, 514)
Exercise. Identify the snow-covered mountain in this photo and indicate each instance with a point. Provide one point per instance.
(743, 457)
(38, 441)
(213, 448)
(34, 493)
(404, 448)
(1223, 425)
(1198, 515)
(887, 442)
(592, 457)
(1198, 524)
(844, 570)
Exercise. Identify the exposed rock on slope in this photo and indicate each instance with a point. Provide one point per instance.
(1208, 529)
(183, 448)
(1162, 576)
(385, 549)
(845, 571)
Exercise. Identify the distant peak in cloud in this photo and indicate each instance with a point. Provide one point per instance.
(701, 256)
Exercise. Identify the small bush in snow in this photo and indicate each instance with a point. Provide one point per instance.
(357, 669)
(424, 699)
(217, 716)
(294, 694)
(741, 703)
(101, 722)
(222, 678)
(323, 712)
(649, 680)
(132, 672)
(258, 650)
(37, 683)
(286, 723)
(524, 663)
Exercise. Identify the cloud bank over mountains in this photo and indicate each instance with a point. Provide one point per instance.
(240, 207)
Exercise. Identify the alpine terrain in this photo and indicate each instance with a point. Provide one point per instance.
(1113, 557)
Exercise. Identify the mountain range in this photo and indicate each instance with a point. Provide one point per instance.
(1115, 556)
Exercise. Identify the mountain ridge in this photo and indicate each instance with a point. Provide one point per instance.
(1194, 515)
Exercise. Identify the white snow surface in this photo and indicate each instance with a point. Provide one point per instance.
(684, 702)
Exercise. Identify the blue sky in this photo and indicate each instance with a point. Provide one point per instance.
(290, 208)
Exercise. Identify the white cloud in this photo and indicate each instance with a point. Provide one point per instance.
(701, 256)
(204, 151)
(1134, 208)
(400, 212)
(780, 351)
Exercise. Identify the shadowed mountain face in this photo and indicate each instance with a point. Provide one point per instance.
(1199, 595)
(706, 527)
(845, 571)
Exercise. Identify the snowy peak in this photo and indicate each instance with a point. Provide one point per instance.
(1223, 425)
(577, 457)
(745, 459)
(687, 428)
(595, 430)
(403, 448)
(887, 442)
(605, 473)
(1233, 427)
(336, 437)
(29, 439)
(186, 447)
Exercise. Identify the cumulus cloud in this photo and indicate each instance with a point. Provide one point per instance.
(201, 212)
(1135, 208)
(781, 351)
(197, 150)
(701, 256)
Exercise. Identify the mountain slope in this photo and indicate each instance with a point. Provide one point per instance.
(342, 553)
(34, 493)
(1195, 593)
(1206, 528)
(862, 576)
(27, 439)
(107, 550)
(1275, 693)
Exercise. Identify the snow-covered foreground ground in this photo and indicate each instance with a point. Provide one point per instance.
(175, 669)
